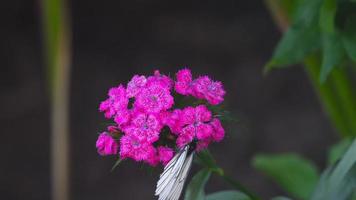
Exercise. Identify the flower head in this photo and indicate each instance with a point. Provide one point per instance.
(160, 79)
(154, 98)
(184, 83)
(144, 126)
(131, 146)
(195, 125)
(106, 145)
(212, 91)
(174, 120)
(116, 105)
(144, 107)
(219, 132)
(135, 85)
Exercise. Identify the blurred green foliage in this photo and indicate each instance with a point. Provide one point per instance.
(295, 174)
(322, 35)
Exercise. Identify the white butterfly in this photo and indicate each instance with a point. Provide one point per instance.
(171, 181)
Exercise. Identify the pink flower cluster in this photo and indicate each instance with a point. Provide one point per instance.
(144, 107)
(202, 87)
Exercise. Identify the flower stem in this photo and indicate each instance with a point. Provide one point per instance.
(56, 31)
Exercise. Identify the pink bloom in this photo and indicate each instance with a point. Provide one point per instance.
(122, 117)
(107, 108)
(196, 115)
(186, 136)
(135, 85)
(184, 82)
(174, 121)
(165, 154)
(154, 98)
(195, 123)
(145, 126)
(219, 132)
(116, 105)
(152, 158)
(212, 91)
(204, 131)
(133, 147)
(139, 127)
(160, 79)
(106, 145)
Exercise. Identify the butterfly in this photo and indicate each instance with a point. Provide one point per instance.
(171, 181)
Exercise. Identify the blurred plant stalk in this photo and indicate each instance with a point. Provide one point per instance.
(57, 51)
(336, 93)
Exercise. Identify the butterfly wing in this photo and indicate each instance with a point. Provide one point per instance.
(171, 182)
(179, 184)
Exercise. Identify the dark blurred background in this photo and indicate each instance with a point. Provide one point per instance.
(113, 40)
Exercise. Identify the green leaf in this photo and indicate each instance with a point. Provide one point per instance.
(333, 50)
(301, 38)
(337, 150)
(338, 181)
(333, 53)
(227, 195)
(320, 189)
(327, 16)
(118, 161)
(295, 174)
(294, 46)
(349, 37)
(345, 165)
(195, 189)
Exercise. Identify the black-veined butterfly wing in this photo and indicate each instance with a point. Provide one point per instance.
(171, 182)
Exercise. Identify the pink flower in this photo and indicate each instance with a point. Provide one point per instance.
(195, 125)
(186, 136)
(219, 132)
(135, 85)
(197, 115)
(106, 145)
(139, 126)
(145, 126)
(160, 79)
(204, 131)
(107, 108)
(122, 117)
(152, 158)
(184, 83)
(165, 154)
(212, 91)
(116, 105)
(154, 98)
(133, 147)
(174, 121)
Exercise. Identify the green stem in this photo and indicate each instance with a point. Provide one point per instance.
(345, 92)
(56, 31)
(326, 95)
